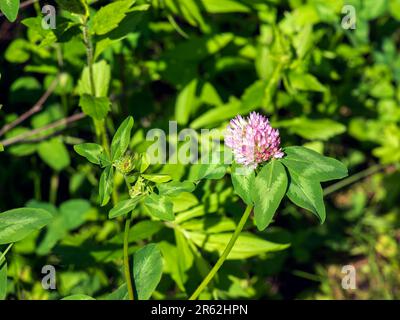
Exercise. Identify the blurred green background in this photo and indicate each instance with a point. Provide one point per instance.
(331, 88)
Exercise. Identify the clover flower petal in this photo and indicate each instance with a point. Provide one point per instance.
(253, 140)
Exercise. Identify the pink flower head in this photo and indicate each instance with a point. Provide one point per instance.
(253, 140)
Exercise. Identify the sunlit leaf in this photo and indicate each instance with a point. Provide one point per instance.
(91, 151)
(106, 185)
(10, 9)
(97, 108)
(269, 188)
(124, 207)
(147, 270)
(121, 139)
(243, 179)
(159, 206)
(17, 224)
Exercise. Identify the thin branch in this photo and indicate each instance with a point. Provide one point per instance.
(354, 178)
(54, 125)
(35, 109)
(27, 3)
(42, 138)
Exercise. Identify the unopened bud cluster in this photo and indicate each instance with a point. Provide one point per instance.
(125, 164)
(141, 187)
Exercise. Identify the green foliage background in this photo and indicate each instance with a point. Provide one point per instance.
(202, 62)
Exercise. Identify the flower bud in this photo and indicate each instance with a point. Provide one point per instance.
(125, 164)
(138, 188)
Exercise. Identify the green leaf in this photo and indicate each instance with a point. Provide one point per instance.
(307, 193)
(105, 161)
(18, 51)
(147, 270)
(101, 75)
(91, 151)
(22, 149)
(45, 37)
(17, 224)
(95, 107)
(109, 16)
(106, 185)
(308, 163)
(184, 201)
(216, 115)
(10, 9)
(144, 162)
(210, 224)
(120, 294)
(54, 153)
(207, 171)
(144, 230)
(71, 215)
(125, 29)
(185, 102)
(303, 41)
(73, 212)
(188, 10)
(209, 95)
(243, 179)
(253, 96)
(3, 278)
(170, 255)
(372, 9)
(185, 257)
(78, 297)
(394, 7)
(251, 99)
(74, 6)
(157, 178)
(121, 139)
(174, 188)
(224, 6)
(269, 188)
(307, 169)
(246, 246)
(305, 82)
(321, 129)
(124, 207)
(159, 206)
(197, 48)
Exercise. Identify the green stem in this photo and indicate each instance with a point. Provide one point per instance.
(99, 124)
(354, 178)
(89, 56)
(127, 269)
(224, 255)
(3, 256)
(54, 181)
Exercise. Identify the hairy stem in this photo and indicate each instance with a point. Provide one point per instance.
(89, 55)
(224, 255)
(127, 269)
(99, 124)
